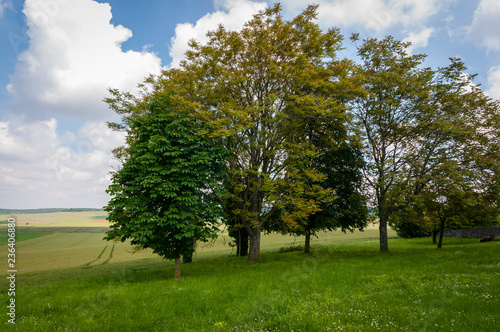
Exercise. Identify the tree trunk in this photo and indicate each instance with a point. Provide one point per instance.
(307, 245)
(242, 242)
(384, 244)
(441, 232)
(177, 274)
(434, 236)
(382, 223)
(254, 253)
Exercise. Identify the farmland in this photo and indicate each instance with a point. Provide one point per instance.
(71, 240)
(76, 281)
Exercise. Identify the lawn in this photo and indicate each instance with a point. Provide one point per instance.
(341, 286)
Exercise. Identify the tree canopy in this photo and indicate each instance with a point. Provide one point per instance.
(167, 193)
(258, 87)
(454, 180)
(267, 124)
(393, 89)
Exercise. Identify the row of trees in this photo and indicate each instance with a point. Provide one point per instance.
(267, 129)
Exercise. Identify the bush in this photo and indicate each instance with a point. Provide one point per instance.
(407, 229)
(291, 248)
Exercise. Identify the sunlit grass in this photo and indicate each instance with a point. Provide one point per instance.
(20, 237)
(346, 287)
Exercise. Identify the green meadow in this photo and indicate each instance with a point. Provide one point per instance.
(75, 281)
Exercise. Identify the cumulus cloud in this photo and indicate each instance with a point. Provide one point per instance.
(232, 14)
(420, 38)
(494, 82)
(485, 25)
(374, 16)
(43, 169)
(74, 55)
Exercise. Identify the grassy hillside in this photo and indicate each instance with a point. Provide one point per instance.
(69, 248)
(348, 287)
(73, 280)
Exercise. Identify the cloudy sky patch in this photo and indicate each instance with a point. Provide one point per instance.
(59, 57)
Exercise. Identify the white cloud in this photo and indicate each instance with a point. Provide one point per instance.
(233, 14)
(494, 82)
(42, 169)
(419, 39)
(485, 25)
(375, 16)
(74, 55)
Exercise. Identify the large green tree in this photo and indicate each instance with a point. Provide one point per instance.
(256, 87)
(453, 180)
(341, 161)
(393, 89)
(167, 193)
(348, 211)
(431, 139)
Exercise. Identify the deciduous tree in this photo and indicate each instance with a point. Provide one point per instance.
(456, 137)
(393, 90)
(256, 87)
(167, 193)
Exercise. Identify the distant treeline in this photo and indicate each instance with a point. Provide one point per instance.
(51, 210)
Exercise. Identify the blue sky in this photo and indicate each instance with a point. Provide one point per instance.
(58, 57)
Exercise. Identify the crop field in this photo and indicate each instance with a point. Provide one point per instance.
(70, 279)
(73, 239)
(61, 219)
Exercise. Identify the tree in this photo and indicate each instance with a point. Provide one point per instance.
(256, 87)
(460, 135)
(453, 178)
(347, 210)
(393, 90)
(167, 194)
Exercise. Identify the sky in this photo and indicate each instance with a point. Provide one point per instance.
(59, 57)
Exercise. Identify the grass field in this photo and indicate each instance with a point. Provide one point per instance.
(77, 282)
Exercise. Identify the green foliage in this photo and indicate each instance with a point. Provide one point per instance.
(454, 183)
(393, 87)
(256, 88)
(166, 195)
(431, 140)
(408, 229)
(294, 118)
(346, 209)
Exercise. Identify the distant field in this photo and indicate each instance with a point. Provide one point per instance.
(62, 219)
(73, 247)
(21, 237)
(76, 238)
(54, 245)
